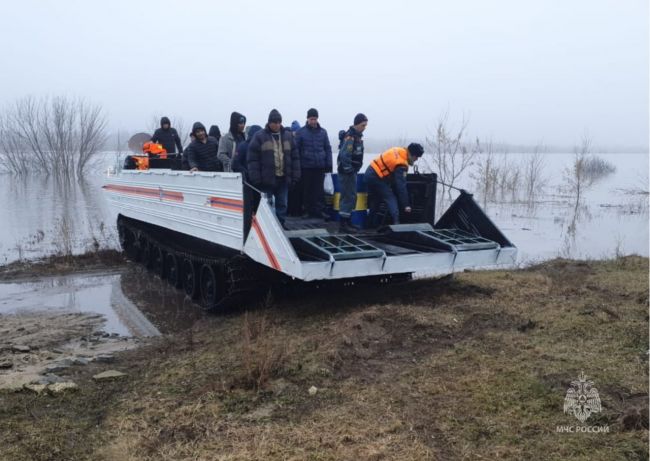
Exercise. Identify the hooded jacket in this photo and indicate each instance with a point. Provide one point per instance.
(261, 162)
(203, 155)
(168, 137)
(314, 148)
(350, 157)
(215, 132)
(229, 142)
(239, 161)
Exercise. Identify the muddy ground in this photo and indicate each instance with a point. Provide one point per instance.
(474, 367)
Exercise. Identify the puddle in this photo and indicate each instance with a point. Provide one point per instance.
(50, 324)
(131, 301)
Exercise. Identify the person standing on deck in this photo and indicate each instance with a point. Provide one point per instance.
(385, 172)
(349, 162)
(215, 132)
(315, 152)
(168, 137)
(229, 142)
(202, 152)
(273, 163)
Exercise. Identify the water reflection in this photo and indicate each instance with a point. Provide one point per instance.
(43, 216)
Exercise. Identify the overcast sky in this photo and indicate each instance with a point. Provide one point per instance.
(523, 71)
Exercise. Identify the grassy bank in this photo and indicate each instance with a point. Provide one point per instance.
(474, 367)
(62, 264)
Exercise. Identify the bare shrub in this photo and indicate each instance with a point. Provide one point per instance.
(487, 171)
(64, 241)
(596, 168)
(262, 354)
(448, 155)
(509, 176)
(57, 136)
(585, 171)
(535, 181)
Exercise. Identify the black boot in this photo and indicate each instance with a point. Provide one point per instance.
(346, 227)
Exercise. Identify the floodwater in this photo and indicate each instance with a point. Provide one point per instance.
(41, 217)
(611, 220)
(131, 300)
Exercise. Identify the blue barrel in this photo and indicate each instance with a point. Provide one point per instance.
(360, 212)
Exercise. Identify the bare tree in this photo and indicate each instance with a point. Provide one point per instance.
(509, 178)
(585, 171)
(55, 136)
(487, 171)
(92, 126)
(534, 178)
(448, 154)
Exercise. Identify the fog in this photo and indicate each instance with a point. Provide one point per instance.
(522, 72)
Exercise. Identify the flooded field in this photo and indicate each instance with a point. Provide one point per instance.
(41, 217)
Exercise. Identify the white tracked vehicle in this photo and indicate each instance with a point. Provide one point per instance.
(198, 232)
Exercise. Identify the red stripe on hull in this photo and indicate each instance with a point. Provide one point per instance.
(146, 192)
(227, 204)
(265, 245)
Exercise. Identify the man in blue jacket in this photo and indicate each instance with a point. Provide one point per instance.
(349, 162)
(315, 152)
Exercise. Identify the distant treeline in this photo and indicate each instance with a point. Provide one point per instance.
(376, 144)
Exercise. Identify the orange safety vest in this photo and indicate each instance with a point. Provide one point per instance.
(141, 163)
(153, 148)
(385, 164)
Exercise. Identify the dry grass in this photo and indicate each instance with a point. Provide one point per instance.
(262, 353)
(470, 368)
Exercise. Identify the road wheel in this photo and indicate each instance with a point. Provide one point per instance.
(158, 261)
(173, 271)
(141, 245)
(147, 254)
(211, 286)
(128, 243)
(190, 279)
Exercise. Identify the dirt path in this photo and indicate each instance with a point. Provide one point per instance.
(35, 346)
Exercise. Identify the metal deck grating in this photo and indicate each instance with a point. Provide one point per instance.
(461, 240)
(342, 247)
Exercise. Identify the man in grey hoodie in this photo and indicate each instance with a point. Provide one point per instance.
(229, 142)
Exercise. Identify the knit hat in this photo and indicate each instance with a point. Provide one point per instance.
(274, 116)
(312, 113)
(360, 118)
(415, 149)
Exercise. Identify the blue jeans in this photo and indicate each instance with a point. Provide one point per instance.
(277, 197)
(379, 190)
(348, 198)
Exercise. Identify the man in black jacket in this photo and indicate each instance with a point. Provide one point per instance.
(274, 163)
(201, 154)
(168, 137)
